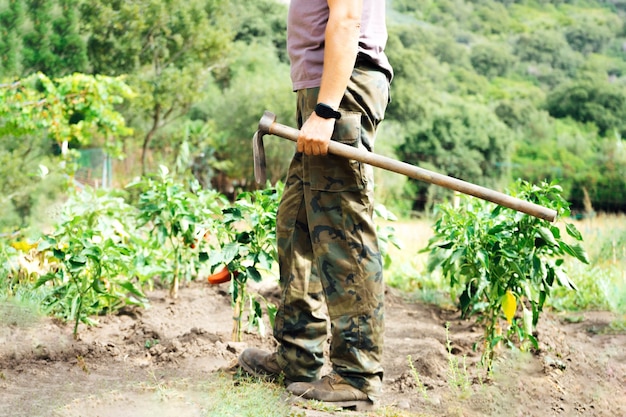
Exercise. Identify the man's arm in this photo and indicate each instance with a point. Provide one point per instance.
(341, 47)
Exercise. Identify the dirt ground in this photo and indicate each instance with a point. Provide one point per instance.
(153, 361)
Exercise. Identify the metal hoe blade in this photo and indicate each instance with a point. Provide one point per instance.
(259, 157)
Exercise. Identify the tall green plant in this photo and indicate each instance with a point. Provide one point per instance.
(247, 246)
(504, 263)
(92, 257)
(176, 216)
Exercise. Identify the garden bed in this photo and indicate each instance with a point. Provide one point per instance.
(143, 362)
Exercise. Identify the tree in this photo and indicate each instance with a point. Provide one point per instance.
(261, 22)
(547, 47)
(258, 82)
(491, 60)
(590, 101)
(463, 140)
(39, 115)
(168, 48)
(11, 20)
(586, 36)
(53, 46)
(38, 55)
(67, 43)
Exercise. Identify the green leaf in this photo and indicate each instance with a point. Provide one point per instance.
(457, 255)
(543, 295)
(493, 342)
(563, 279)
(92, 252)
(483, 258)
(556, 232)
(573, 231)
(254, 273)
(128, 286)
(547, 235)
(46, 243)
(272, 309)
(59, 254)
(98, 286)
(77, 263)
(265, 260)
(245, 237)
(445, 244)
(230, 251)
(517, 269)
(576, 251)
(74, 313)
(436, 258)
(44, 278)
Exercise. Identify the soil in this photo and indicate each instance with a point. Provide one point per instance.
(144, 362)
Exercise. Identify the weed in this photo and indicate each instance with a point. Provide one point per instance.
(82, 364)
(151, 342)
(421, 389)
(246, 397)
(458, 377)
(618, 326)
(164, 389)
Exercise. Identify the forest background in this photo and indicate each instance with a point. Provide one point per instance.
(486, 91)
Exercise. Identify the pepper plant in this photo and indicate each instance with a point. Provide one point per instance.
(247, 247)
(504, 263)
(90, 258)
(176, 216)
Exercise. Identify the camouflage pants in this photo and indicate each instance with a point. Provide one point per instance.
(328, 248)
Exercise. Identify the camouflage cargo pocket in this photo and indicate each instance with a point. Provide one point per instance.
(335, 173)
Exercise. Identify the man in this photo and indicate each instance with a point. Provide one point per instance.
(327, 245)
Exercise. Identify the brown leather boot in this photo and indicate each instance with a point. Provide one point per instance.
(261, 364)
(333, 389)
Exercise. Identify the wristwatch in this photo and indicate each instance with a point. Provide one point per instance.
(326, 112)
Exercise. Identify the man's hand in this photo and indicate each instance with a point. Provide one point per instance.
(315, 135)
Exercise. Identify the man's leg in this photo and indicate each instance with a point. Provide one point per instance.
(339, 194)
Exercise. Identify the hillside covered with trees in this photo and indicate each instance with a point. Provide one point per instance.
(487, 91)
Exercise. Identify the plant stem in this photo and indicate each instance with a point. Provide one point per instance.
(77, 318)
(238, 310)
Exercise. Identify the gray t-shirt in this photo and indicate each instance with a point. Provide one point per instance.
(305, 39)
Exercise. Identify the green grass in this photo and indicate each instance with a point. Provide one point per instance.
(601, 284)
(246, 397)
(251, 397)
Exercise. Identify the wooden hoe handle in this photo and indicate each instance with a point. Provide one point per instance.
(268, 125)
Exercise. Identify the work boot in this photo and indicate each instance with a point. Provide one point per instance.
(261, 364)
(333, 389)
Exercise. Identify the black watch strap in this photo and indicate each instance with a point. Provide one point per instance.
(326, 112)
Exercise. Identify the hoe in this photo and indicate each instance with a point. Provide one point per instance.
(268, 125)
